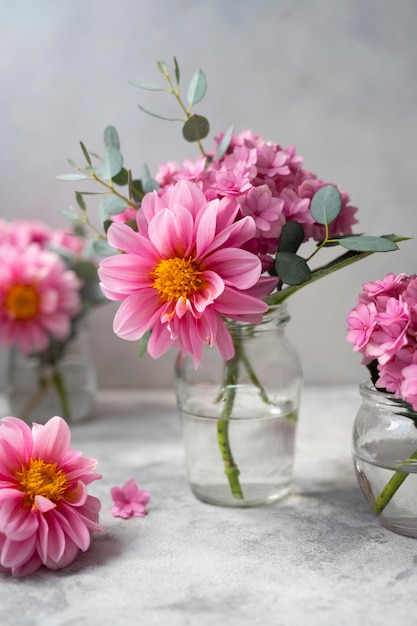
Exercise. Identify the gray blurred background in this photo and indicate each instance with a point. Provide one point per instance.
(337, 78)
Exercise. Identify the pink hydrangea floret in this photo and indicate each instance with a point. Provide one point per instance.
(129, 500)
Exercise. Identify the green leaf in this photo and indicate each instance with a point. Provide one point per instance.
(148, 183)
(147, 86)
(177, 71)
(326, 204)
(85, 269)
(335, 265)
(368, 243)
(161, 117)
(111, 205)
(72, 163)
(72, 177)
(136, 190)
(80, 201)
(162, 67)
(121, 178)
(291, 238)
(196, 88)
(225, 143)
(291, 268)
(111, 138)
(70, 213)
(85, 153)
(111, 165)
(102, 248)
(143, 343)
(196, 128)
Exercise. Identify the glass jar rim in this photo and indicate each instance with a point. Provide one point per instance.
(368, 391)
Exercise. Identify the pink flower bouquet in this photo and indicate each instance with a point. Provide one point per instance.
(383, 328)
(215, 239)
(47, 285)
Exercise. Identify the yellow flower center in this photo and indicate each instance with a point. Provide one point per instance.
(176, 278)
(22, 301)
(42, 479)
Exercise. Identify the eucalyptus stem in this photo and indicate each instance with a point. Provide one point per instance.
(391, 487)
(230, 468)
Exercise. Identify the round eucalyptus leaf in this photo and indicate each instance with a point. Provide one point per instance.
(291, 268)
(112, 163)
(148, 183)
(80, 201)
(72, 177)
(102, 248)
(162, 67)
(291, 238)
(111, 138)
(111, 205)
(196, 88)
(69, 212)
(121, 178)
(368, 243)
(326, 204)
(196, 128)
(147, 86)
(224, 144)
(177, 70)
(160, 117)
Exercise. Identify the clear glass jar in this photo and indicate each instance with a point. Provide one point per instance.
(60, 381)
(239, 417)
(385, 458)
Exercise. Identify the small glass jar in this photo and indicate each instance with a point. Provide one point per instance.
(239, 417)
(385, 458)
(59, 381)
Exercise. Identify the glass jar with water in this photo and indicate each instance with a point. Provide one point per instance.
(239, 417)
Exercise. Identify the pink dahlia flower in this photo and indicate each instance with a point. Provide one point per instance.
(46, 514)
(182, 272)
(129, 500)
(38, 297)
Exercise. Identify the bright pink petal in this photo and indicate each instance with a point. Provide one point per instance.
(137, 314)
(51, 440)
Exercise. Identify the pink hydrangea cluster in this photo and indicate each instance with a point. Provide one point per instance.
(264, 181)
(383, 327)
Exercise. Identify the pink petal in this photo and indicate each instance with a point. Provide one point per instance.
(137, 314)
(51, 440)
(16, 553)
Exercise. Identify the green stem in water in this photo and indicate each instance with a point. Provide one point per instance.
(61, 390)
(391, 487)
(230, 468)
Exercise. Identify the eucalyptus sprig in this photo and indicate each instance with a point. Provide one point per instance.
(294, 270)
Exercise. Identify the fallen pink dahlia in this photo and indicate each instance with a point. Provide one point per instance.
(38, 297)
(183, 271)
(46, 514)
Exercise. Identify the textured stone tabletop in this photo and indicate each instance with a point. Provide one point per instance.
(318, 557)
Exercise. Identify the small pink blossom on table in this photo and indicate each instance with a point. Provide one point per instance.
(129, 500)
(46, 514)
